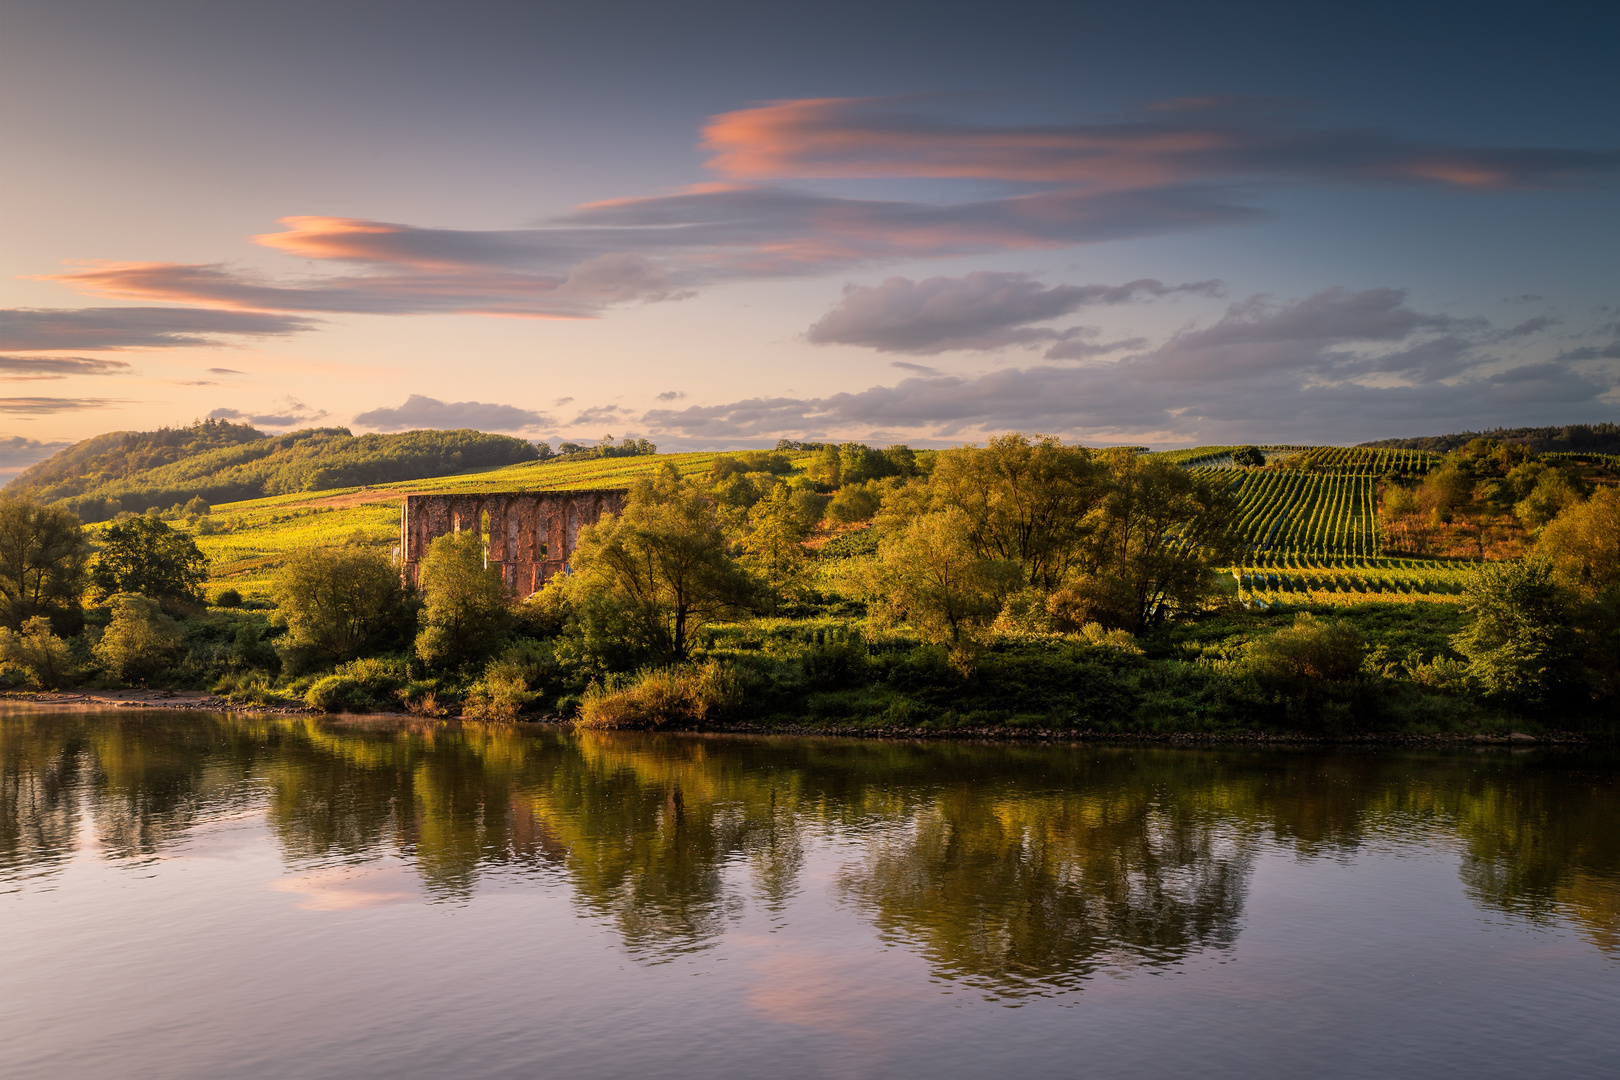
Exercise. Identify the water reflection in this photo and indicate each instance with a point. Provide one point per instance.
(1014, 869)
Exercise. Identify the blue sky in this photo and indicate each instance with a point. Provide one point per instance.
(720, 224)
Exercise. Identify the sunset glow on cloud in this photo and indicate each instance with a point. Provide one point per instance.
(1068, 259)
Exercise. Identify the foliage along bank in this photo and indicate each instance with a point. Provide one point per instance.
(1021, 584)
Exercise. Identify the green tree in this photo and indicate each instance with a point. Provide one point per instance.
(775, 547)
(339, 602)
(930, 575)
(1248, 457)
(1583, 544)
(43, 658)
(1160, 534)
(1022, 500)
(1519, 646)
(465, 613)
(144, 555)
(663, 561)
(42, 561)
(140, 640)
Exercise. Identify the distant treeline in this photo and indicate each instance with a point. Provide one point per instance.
(1569, 439)
(223, 462)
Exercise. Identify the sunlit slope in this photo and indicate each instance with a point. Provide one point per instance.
(1312, 536)
(254, 537)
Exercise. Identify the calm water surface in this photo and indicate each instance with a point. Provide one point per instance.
(198, 895)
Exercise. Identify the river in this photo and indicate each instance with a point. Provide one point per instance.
(205, 895)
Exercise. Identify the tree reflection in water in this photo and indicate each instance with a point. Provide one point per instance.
(1018, 870)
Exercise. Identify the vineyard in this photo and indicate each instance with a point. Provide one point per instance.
(1311, 533)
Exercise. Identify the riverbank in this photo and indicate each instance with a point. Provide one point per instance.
(197, 701)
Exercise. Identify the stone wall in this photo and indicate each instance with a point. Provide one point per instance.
(531, 533)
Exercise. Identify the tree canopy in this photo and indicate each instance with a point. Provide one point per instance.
(43, 554)
(144, 555)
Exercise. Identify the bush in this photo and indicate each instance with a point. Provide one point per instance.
(338, 602)
(140, 640)
(1309, 652)
(247, 688)
(228, 598)
(659, 697)
(42, 659)
(361, 686)
(1519, 646)
(501, 694)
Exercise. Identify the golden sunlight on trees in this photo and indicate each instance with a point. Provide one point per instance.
(1583, 544)
(42, 561)
(338, 601)
(662, 562)
(466, 612)
(1160, 533)
(775, 548)
(139, 641)
(929, 575)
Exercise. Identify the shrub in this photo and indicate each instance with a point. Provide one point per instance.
(228, 598)
(247, 688)
(43, 660)
(359, 686)
(659, 697)
(501, 694)
(340, 693)
(338, 602)
(1309, 652)
(140, 640)
(1519, 645)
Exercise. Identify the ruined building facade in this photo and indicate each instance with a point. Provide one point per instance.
(529, 534)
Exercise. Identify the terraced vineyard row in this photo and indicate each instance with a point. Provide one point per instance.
(1293, 579)
(1359, 460)
(1311, 513)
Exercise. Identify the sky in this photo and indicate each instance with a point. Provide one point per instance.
(719, 224)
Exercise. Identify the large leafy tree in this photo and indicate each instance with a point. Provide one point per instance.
(338, 601)
(663, 561)
(1159, 535)
(466, 612)
(42, 561)
(144, 555)
(930, 575)
(775, 546)
(1022, 500)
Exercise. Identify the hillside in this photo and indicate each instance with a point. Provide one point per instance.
(1569, 439)
(224, 462)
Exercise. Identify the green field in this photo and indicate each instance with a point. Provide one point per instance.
(1312, 536)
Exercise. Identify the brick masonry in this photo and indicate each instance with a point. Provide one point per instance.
(531, 533)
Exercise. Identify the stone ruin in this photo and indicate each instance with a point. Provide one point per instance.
(529, 534)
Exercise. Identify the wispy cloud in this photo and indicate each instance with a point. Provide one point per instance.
(22, 368)
(1193, 141)
(425, 412)
(982, 310)
(1185, 165)
(44, 329)
(1337, 365)
(47, 406)
(293, 413)
(18, 453)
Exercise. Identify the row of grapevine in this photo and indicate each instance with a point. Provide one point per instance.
(1360, 460)
(1323, 514)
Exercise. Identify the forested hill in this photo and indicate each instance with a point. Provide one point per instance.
(223, 462)
(1569, 439)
